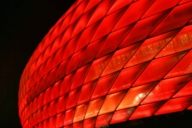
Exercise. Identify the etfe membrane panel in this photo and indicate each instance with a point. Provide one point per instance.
(110, 61)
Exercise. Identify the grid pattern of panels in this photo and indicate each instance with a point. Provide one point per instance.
(109, 61)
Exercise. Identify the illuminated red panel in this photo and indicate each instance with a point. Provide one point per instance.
(119, 4)
(100, 11)
(80, 25)
(44, 112)
(54, 93)
(72, 98)
(160, 5)
(143, 28)
(150, 48)
(52, 121)
(86, 92)
(190, 108)
(78, 125)
(131, 16)
(121, 115)
(91, 5)
(103, 63)
(68, 126)
(175, 105)
(186, 90)
(103, 85)
(89, 123)
(169, 23)
(166, 88)
(183, 67)
(119, 59)
(51, 109)
(97, 68)
(112, 42)
(164, 64)
(89, 52)
(180, 42)
(69, 114)
(103, 120)
(145, 110)
(68, 52)
(87, 35)
(78, 11)
(107, 25)
(127, 77)
(73, 63)
(79, 77)
(65, 85)
(183, 1)
(59, 120)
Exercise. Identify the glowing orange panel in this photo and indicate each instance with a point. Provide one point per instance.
(80, 112)
(111, 102)
(134, 96)
(93, 108)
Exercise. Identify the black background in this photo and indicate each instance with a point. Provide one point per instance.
(23, 24)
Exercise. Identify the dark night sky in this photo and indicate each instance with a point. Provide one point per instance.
(23, 24)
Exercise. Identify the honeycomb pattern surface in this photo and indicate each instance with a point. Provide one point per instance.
(110, 61)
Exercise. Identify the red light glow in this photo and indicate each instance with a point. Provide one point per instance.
(110, 61)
